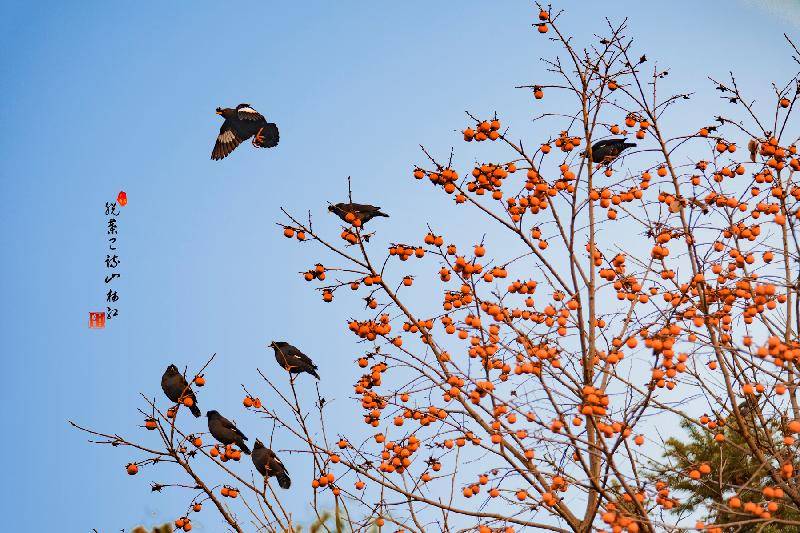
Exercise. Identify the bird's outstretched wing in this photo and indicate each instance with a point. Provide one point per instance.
(248, 113)
(227, 141)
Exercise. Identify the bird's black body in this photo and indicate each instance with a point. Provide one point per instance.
(293, 359)
(225, 431)
(363, 212)
(176, 388)
(268, 465)
(607, 150)
(241, 124)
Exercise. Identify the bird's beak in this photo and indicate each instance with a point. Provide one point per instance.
(219, 112)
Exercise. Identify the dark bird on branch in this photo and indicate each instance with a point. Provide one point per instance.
(362, 212)
(241, 124)
(292, 359)
(176, 388)
(607, 150)
(268, 464)
(225, 431)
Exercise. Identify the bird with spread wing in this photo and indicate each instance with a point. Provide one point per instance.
(240, 124)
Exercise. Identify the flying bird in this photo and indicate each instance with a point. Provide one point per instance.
(225, 431)
(292, 359)
(607, 150)
(268, 464)
(241, 124)
(176, 388)
(362, 212)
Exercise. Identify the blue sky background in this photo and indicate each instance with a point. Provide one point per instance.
(103, 96)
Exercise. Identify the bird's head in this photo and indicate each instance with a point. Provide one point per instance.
(212, 414)
(331, 208)
(219, 111)
(258, 444)
(172, 369)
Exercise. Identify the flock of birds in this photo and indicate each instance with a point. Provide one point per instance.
(242, 123)
(267, 463)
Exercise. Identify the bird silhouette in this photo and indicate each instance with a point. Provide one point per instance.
(607, 150)
(240, 124)
(176, 388)
(362, 212)
(225, 431)
(292, 359)
(268, 464)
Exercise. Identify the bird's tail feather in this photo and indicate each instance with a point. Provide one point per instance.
(629, 145)
(195, 410)
(243, 446)
(381, 214)
(271, 136)
(284, 481)
(313, 372)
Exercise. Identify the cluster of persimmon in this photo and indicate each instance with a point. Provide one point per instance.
(475, 488)
(349, 236)
(619, 520)
(489, 177)
(779, 352)
(606, 198)
(455, 299)
(567, 142)
(536, 355)
(433, 240)
(251, 401)
(323, 480)
(703, 469)
(762, 510)
(372, 401)
(486, 129)
(397, 456)
(670, 364)
(634, 119)
(318, 272)
(371, 329)
(227, 453)
(662, 496)
(229, 492)
(594, 401)
(405, 251)
(183, 523)
(538, 199)
(290, 232)
(445, 177)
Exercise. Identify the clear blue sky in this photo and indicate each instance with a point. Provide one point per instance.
(100, 96)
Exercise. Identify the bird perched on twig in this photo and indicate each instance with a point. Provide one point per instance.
(292, 359)
(176, 388)
(361, 212)
(241, 124)
(268, 464)
(225, 431)
(607, 150)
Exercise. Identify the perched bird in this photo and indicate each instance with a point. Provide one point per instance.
(224, 431)
(292, 359)
(268, 464)
(362, 212)
(241, 124)
(176, 388)
(607, 150)
(752, 147)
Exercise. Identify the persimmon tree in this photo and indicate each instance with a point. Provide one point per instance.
(600, 310)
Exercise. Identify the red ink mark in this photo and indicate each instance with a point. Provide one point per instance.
(122, 198)
(97, 320)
